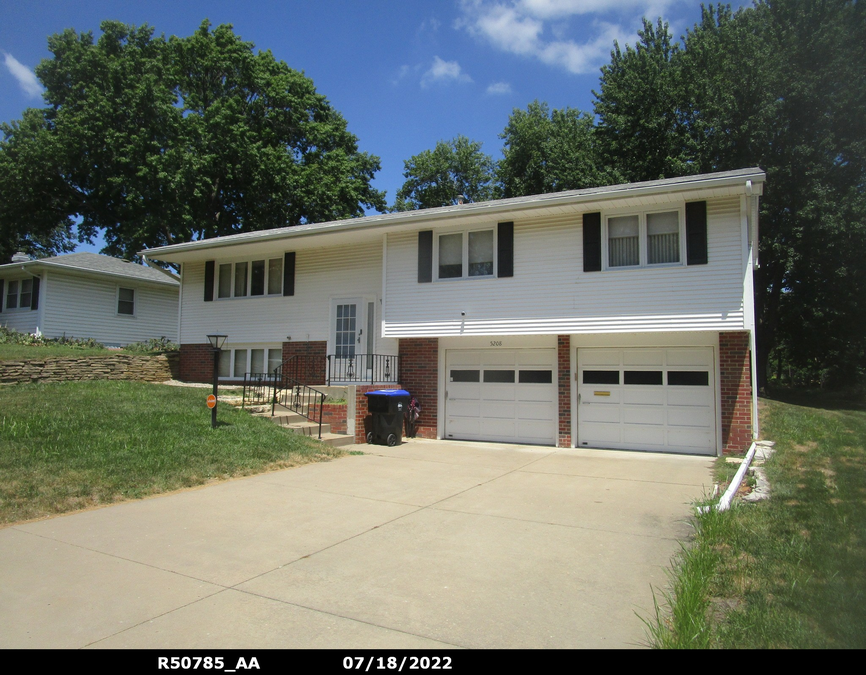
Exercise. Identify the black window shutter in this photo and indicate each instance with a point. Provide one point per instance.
(696, 233)
(2, 297)
(34, 299)
(505, 249)
(592, 242)
(425, 256)
(289, 273)
(208, 280)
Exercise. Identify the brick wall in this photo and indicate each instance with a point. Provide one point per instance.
(196, 363)
(736, 387)
(563, 357)
(316, 366)
(419, 375)
(335, 415)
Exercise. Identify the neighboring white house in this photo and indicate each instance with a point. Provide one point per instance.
(87, 295)
(612, 317)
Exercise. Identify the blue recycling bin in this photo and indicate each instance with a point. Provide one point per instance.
(387, 408)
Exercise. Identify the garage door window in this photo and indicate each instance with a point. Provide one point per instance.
(505, 376)
(536, 376)
(465, 375)
(601, 377)
(689, 378)
(642, 377)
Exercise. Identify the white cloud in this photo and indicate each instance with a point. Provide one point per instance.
(537, 28)
(26, 77)
(444, 71)
(499, 88)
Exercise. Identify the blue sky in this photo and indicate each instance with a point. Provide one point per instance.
(403, 74)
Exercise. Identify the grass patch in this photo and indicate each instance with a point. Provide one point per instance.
(73, 445)
(789, 572)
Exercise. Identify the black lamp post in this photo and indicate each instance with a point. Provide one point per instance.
(216, 342)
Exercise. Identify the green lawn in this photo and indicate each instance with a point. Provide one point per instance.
(74, 445)
(789, 572)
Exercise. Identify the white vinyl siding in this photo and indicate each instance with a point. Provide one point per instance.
(320, 276)
(87, 307)
(550, 293)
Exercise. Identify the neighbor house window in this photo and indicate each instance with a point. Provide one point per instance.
(250, 278)
(636, 240)
(466, 254)
(19, 294)
(126, 301)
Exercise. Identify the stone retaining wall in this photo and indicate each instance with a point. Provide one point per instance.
(114, 367)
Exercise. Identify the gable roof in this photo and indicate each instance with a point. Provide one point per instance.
(95, 263)
(709, 183)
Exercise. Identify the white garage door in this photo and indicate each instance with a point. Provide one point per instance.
(647, 399)
(501, 395)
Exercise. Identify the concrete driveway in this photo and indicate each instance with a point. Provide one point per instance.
(428, 545)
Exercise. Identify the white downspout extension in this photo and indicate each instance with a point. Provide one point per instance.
(727, 498)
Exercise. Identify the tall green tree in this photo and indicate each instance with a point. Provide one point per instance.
(641, 133)
(154, 141)
(438, 177)
(550, 151)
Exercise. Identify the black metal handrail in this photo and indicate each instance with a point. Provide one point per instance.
(372, 368)
(257, 389)
(298, 397)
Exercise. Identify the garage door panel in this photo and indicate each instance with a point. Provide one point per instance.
(643, 436)
(654, 399)
(641, 415)
(689, 417)
(491, 428)
(689, 357)
(498, 409)
(689, 396)
(498, 392)
(650, 395)
(600, 357)
(514, 399)
(536, 411)
(685, 439)
(642, 357)
(597, 413)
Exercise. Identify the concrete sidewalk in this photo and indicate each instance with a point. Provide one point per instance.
(430, 544)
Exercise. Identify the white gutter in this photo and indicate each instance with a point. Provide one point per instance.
(725, 502)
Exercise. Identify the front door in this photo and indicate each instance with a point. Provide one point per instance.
(351, 320)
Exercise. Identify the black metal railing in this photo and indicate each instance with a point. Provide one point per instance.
(372, 368)
(258, 389)
(297, 397)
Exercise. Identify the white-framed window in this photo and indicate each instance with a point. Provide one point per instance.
(644, 239)
(19, 294)
(467, 254)
(249, 278)
(126, 301)
(236, 362)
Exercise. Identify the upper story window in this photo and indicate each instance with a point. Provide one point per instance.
(466, 254)
(636, 240)
(250, 278)
(19, 294)
(126, 301)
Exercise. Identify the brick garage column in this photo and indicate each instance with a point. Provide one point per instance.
(419, 375)
(316, 365)
(196, 362)
(563, 358)
(736, 386)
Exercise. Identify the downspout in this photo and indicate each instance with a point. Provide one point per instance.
(752, 218)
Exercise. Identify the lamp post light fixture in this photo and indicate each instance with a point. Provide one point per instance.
(216, 342)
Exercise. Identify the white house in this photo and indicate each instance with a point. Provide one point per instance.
(613, 317)
(87, 295)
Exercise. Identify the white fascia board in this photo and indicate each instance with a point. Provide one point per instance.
(733, 181)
